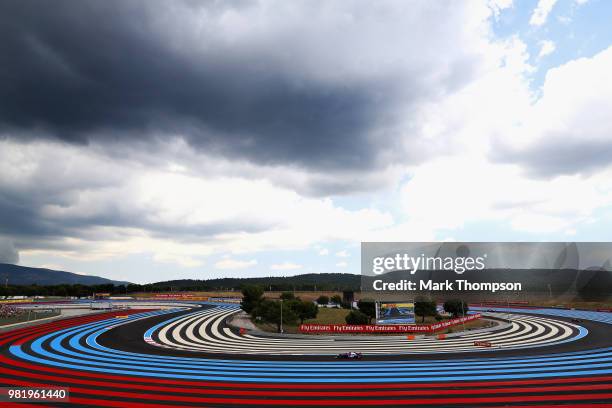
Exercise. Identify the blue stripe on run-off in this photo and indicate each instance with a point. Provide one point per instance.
(298, 378)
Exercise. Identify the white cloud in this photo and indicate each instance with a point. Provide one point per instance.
(547, 47)
(540, 13)
(498, 6)
(342, 254)
(567, 130)
(229, 263)
(175, 217)
(342, 264)
(285, 266)
(324, 252)
(564, 19)
(78, 273)
(450, 193)
(535, 166)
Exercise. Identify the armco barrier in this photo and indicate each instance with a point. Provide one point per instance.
(389, 328)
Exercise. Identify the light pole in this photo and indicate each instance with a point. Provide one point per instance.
(281, 319)
(549, 292)
(508, 311)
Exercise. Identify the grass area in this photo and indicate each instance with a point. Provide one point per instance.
(324, 316)
(25, 317)
(329, 316)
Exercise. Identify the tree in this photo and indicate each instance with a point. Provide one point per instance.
(287, 296)
(303, 309)
(252, 296)
(357, 317)
(367, 307)
(425, 308)
(456, 307)
(270, 312)
(323, 300)
(337, 299)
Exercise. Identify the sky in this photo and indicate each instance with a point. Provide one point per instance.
(151, 140)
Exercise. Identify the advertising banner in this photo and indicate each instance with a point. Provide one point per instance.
(384, 328)
(15, 300)
(173, 295)
(395, 313)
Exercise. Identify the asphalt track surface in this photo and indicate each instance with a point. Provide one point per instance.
(123, 362)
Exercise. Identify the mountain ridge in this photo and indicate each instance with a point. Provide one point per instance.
(12, 274)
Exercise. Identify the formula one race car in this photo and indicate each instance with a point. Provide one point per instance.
(351, 355)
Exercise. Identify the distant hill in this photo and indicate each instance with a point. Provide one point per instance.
(322, 281)
(23, 275)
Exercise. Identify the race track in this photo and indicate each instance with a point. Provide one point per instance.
(188, 356)
(205, 331)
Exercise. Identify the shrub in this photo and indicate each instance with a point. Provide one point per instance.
(368, 307)
(456, 307)
(303, 309)
(357, 317)
(425, 308)
(287, 296)
(270, 312)
(252, 296)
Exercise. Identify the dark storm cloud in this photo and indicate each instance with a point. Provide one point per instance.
(321, 99)
(24, 218)
(83, 71)
(8, 253)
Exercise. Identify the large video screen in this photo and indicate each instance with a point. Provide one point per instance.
(395, 313)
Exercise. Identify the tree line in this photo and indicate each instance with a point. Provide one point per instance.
(290, 309)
